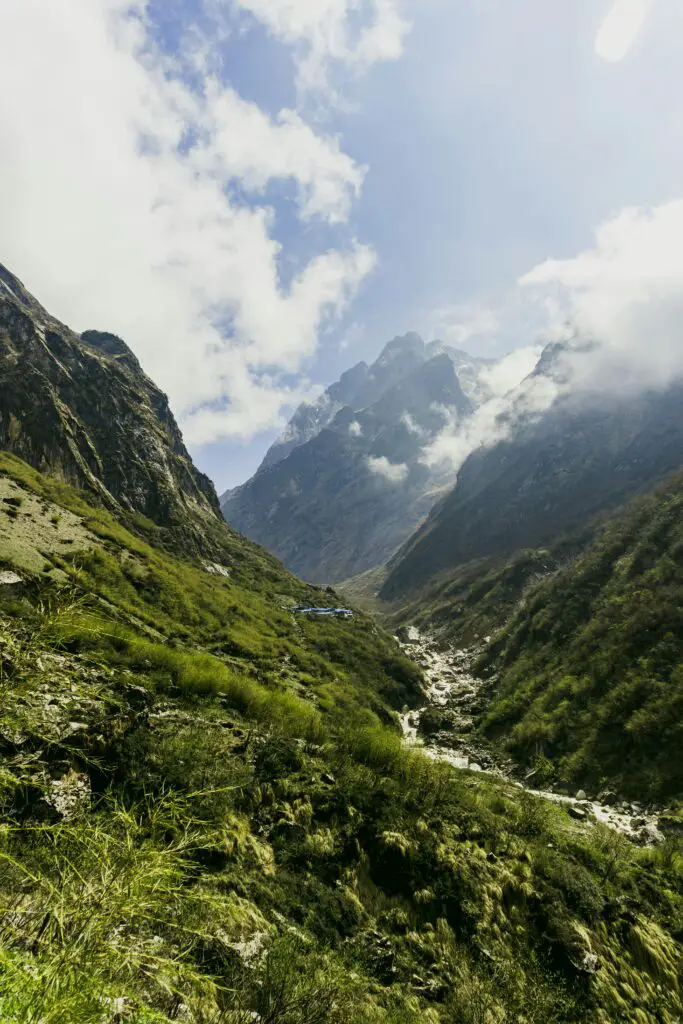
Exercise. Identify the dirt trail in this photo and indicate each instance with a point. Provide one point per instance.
(452, 690)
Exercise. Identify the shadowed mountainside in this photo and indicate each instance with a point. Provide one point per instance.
(582, 457)
(81, 407)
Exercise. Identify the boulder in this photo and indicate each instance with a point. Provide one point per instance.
(581, 795)
(10, 583)
(577, 812)
(9, 579)
(669, 824)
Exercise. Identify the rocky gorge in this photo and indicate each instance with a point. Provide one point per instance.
(443, 728)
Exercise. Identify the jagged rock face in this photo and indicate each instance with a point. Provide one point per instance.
(81, 407)
(363, 385)
(585, 456)
(310, 418)
(344, 500)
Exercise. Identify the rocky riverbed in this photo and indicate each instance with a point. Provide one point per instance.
(442, 727)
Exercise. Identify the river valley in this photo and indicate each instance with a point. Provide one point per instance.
(442, 727)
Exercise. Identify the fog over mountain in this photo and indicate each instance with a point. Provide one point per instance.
(611, 317)
(351, 477)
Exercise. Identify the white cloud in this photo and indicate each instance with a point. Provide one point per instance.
(621, 28)
(242, 142)
(460, 324)
(119, 211)
(395, 472)
(505, 374)
(493, 421)
(619, 307)
(355, 429)
(328, 32)
(626, 295)
(411, 426)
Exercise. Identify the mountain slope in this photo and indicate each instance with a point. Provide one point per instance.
(583, 456)
(190, 774)
(343, 501)
(589, 671)
(82, 407)
(310, 418)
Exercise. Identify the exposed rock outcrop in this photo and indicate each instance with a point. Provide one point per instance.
(82, 408)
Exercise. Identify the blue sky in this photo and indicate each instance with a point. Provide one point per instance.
(423, 167)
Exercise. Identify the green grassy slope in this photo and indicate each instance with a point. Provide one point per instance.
(590, 668)
(244, 618)
(207, 814)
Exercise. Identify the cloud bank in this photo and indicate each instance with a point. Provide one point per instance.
(134, 197)
(394, 472)
(618, 306)
(492, 422)
(625, 294)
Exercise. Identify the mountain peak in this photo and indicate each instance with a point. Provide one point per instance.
(81, 407)
(360, 464)
(113, 346)
(402, 345)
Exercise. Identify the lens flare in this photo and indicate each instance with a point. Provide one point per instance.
(620, 29)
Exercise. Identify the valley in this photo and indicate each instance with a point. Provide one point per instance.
(217, 809)
(443, 726)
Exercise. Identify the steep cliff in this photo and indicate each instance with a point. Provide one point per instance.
(343, 501)
(81, 408)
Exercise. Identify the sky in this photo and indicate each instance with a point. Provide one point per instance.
(257, 194)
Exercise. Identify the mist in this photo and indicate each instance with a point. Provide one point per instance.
(613, 326)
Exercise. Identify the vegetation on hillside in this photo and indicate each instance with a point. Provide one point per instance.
(589, 671)
(207, 815)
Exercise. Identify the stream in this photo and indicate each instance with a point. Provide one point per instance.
(453, 691)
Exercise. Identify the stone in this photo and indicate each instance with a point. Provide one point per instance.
(581, 795)
(669, 824)
(10, 579)
(69, 795)
(216, 569)
(577, 812)
(590, 963)
(608, 798)
(138, 696)
(74, 729)
(649, 835)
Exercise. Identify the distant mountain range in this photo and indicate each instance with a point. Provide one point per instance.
(346, 483)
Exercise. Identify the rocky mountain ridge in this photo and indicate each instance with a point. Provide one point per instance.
(81, 407)
(345, 499)
(363, 385)
(347, 483)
